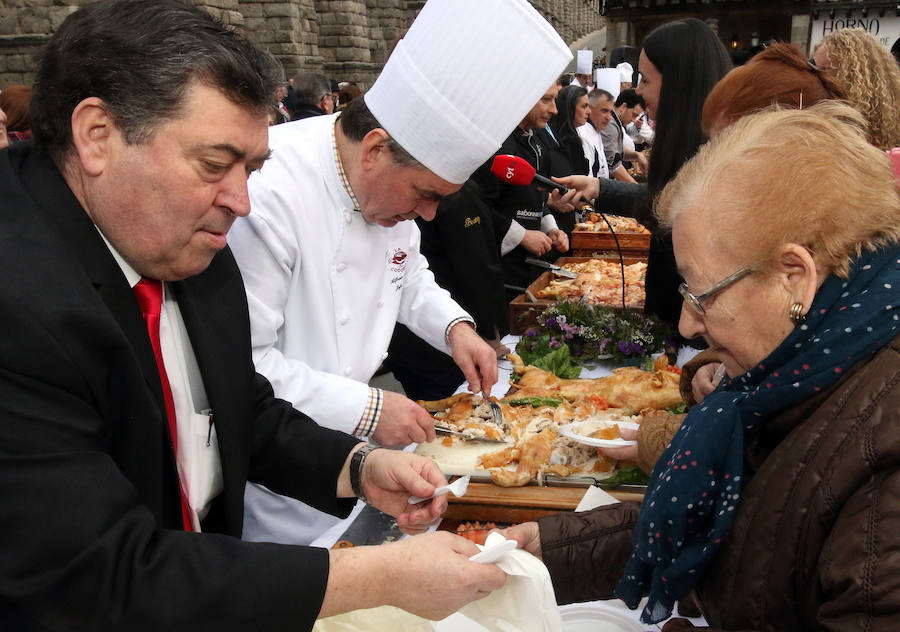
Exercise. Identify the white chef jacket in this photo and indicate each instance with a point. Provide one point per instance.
(325, 289)
(593, 149)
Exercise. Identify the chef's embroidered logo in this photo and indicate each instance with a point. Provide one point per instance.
(397, 264)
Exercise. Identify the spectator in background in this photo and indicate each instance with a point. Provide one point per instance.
(312, 95)
(4, 138)
(335, 94)
(641, 132)
(349, 91)
(289, 101)
(281, 112)
(572, 111)
(626, 76)
(15, 101)
(778, 75)
(600, 103)
(871, 78)
(628, 105)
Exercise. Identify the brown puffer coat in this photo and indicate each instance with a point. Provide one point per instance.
(816, 539)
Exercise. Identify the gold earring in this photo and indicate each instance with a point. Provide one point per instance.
(797, 315)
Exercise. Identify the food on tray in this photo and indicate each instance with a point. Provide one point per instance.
(599, 281)
(476, 532)
(628, 388)
(534, 412)
(533, 455)
(594, 223)
(464, 413)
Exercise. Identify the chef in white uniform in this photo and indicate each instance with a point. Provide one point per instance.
(584, 63)
(328, 257)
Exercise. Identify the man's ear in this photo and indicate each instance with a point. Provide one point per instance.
(374, 149)
(92, 127)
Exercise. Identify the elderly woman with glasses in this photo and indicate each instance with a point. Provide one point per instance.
(777, 503)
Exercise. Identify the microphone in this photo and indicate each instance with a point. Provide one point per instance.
(516, 170)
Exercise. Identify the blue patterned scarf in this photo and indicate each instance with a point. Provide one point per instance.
(695, 487)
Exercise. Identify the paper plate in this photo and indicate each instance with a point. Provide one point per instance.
(577, 432)
(577, 617)
(597, 617)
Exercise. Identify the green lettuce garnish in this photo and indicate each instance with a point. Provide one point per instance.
(537, 402)
(631, 475)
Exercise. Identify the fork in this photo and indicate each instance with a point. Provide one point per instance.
(496, 413)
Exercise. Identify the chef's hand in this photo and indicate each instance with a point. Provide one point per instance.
(706, 380)
(527, 534)
(560, 239)
(428, 575)
(563, 202)
(474, 357)
(536, 242)
(625, 453)
(587, 186)
(390, 477)
(402, 422)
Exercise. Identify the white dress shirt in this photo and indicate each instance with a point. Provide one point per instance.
(197, 459)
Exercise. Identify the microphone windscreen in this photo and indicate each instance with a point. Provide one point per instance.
(513, 169)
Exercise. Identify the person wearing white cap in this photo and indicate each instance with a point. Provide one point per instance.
(328, 259)
(626, 76)
(584, 63)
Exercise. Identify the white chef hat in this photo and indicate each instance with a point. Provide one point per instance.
(626, 72)
(585, 62)
(608, 79)
(439, 95)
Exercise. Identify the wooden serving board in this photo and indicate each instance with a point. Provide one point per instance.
(488, 502)
(588, 243)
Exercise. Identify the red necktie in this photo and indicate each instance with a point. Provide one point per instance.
(149, 297)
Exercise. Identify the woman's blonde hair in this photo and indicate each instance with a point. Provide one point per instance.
(792, 176)
(872, 79)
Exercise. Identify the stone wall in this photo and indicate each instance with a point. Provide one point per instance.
(349, 40)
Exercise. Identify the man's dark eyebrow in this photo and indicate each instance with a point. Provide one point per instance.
(236, 153)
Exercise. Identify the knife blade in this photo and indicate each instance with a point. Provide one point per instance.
(552, 266)
(465, 435)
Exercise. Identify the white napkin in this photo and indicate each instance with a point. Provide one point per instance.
(595, 497)
(526, 602)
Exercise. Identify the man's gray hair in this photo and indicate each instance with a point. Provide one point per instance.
(310, 87)
(596, 94)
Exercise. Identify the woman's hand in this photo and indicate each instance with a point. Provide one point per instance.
(527, 534)
(625, 453)
(706, 379)
(588, 187)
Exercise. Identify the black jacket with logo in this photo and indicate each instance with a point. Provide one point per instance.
(508, 202)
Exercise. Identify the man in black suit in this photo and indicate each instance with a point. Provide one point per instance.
(127, 434)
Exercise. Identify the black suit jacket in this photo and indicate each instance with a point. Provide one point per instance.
(90, 510)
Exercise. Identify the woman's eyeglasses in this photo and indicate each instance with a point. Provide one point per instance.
(696, 302)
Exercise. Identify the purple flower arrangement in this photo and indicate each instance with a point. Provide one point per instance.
(592, 332)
